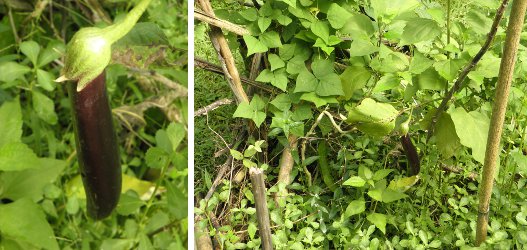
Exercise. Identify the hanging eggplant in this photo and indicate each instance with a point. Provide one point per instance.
(87, 56)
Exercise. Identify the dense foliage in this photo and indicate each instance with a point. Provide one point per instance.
(42, 201)
(356, 84)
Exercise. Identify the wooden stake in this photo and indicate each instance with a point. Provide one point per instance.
(508, 60)
(262, 212)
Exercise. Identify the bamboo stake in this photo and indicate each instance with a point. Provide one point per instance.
(262, 212)
(498, 115)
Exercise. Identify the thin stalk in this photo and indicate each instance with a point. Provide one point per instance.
(499, 108)
(116, 31)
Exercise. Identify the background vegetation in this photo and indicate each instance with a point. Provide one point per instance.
(379, 69)
(42, 202)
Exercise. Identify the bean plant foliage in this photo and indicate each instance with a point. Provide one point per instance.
(42, 200)
(355, 85)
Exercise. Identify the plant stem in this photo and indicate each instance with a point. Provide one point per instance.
(116, 31)
(508, 61)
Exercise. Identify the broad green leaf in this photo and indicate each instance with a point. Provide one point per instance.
(291, 3)
(354, 181)
(45, 80)
(381, 174)
(74, 187)
(393, 8)
(236, 154)
(429, 79)
(250, 14)
(142, 34)
(420, 63)
(264, 23)
(359, 25)
(337, 16)
(472, 129)
(419, 30)
(53, 51)
(329, 85)
(11, 122)
(404, 183)
(254, 45)
(296, 65)
(446, 137)
(277, 78)
(156, 158)
(387, 82)
(379, 220)
(306, 82)
(16, 156)
(129, 203)
(174, 197)
(287, 51)
(271, 39)
(448, 69)
(275, 61)
(31, 49)
(361, 47)
(252, 110)
(176, 132)
(30, 182)
(282, 102)
(44, 107)
(354, 78)
(321, 29)
(373, 118)
(478, 22)
(10, 71)
(318, 100)
(25, 221)
(355, 207)
(521, 161)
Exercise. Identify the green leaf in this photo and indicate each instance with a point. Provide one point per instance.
(387, 82)
(15, 156)
(291, 3)
(277, 78)
(129, 203)
(236, 154)
(354, 181)
(53, 51)
(429, 79)
(252, 110)
(45, 80)
(31, 49)
(254, 45)
(354, 78)
(381, 174)
(271, 39)
(175, 195)
(143, 34)
(337, 16)
(318, 100)
(445, 132)
(15, 71)
(321, 29)
(306, 82)
(379, 220)
(420, 63)
(156, 158)
(249, 14)
(11, 125)
(176, 133)
(44, 107)
(355, 207)
(419, 30)
(472, 129)
(404, 183)
(359, 25)
(372, 118)
(329, 83)
(275, 61)
(478, 22)
(264, 23)
(24, 221)
(30, 183)
(361, 47)
(448, 69)
(282, 102)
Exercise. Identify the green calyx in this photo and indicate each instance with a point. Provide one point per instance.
(89, 51)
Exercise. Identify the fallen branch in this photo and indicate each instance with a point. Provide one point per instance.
(286, 166)
(469, 67)
(200, 63)
(212, 106)
(262, 212)
(222, 24)
(225, 56)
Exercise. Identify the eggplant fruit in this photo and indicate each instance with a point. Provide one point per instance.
(411, 153)
(97, 149)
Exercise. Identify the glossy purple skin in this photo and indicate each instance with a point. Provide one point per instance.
(97, 149)
(411, 153)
